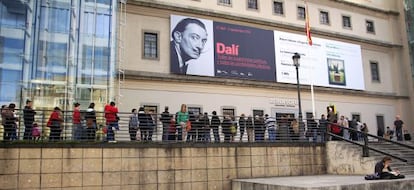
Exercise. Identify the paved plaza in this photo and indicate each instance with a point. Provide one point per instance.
(323, 182)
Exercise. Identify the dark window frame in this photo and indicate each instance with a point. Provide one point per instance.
(249, 7)
(375, 72)
(225, 2)
(324, 17)
(370, 26)
(299, 14)
(150, 55)
(348, 24)
(281, 10)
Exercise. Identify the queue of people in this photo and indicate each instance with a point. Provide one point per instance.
(186, 126)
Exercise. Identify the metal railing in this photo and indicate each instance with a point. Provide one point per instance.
(202, 130)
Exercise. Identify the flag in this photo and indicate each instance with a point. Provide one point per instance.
(307, 24)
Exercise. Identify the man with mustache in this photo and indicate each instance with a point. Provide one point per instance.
(189, 38)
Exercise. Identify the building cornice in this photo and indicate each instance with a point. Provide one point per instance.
(188, 79)
(260, 21)
(387, 12)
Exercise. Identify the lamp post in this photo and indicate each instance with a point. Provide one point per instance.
(296, 63)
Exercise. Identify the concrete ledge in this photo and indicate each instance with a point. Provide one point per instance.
(321, 182)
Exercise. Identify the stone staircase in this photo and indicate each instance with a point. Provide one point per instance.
(407, 168)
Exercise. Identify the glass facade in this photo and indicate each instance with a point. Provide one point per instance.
(57, 52)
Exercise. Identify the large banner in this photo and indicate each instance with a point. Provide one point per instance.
(206, 48)
(244, 52)
(326, 63)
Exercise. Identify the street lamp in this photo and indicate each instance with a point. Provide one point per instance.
(296, 63)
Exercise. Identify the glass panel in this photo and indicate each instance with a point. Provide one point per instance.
(101, 67)
(12, 19)
(52, 61)
(150, 45)
(55, 19)
(102, 25)
(9, 85)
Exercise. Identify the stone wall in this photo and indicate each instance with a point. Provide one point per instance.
(151, 167)
(346, 159)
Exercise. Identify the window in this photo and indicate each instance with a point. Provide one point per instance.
(224, 2)
(278, 7)
(374, 72)
(194, 110)
(370, 26)
(150, 45)
(258, 112)
(252, 4)
(324, 17)
(301, 13)
(153, 110)
(346, 22)
(229, 111)
(356, 116)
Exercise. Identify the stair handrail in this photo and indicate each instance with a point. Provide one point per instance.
(365, 146)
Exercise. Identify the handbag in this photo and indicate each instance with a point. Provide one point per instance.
(233, 129)
(188, 126)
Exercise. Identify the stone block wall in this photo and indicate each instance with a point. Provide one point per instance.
(344, 158)
(151, 167)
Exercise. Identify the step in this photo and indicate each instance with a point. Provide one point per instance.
(321, 182)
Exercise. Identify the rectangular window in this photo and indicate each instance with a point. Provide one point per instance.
(229, 111)
(194, 110)
(258, 113)
(357, 116)
(370, 26)
(346, 22)
(374, 72)
(224, 2)
(278, 7)
(301, 13)
(150, 45)
(252, 4)
(324, 17)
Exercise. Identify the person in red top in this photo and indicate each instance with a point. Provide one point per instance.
(55, 121)
(111, 116)
(77, 125)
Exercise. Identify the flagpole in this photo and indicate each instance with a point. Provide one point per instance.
(308, 35)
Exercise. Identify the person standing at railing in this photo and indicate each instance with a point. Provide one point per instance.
(165, 120)
(55, 124)
(145, 124)
(250, 129)
(205, 128)
(242, 125)
(398, 125)
(133, 125)
(259, 128)
(111, 112)
(312, 130)
(76, 120)
(225, 126)
(28, 116)
(9, 121)
(91, 127)
(343, 122)
(215, 125)
(182, 119)
(323, 126)
(271, 127)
